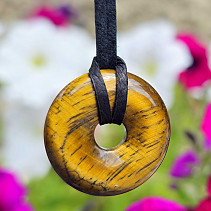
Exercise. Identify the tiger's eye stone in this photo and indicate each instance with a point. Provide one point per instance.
(80, 162)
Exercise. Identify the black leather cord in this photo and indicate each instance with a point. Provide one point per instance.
(104, 110)
(105, 22)
(121, 92)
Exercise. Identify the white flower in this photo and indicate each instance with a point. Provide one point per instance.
(22, 148)
(37, 59)
(152, 52)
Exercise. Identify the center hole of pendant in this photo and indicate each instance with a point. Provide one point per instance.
(109, 136)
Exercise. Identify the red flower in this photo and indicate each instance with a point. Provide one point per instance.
(156, 204)
(199, 72)
(205, 204)
(59, 16)
(209, 186)
(206, 127)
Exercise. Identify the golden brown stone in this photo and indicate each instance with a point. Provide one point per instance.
(80, 162)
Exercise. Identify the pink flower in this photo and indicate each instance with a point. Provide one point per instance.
(184, 163)
(199, 72)
(12, 193)
(155, 204)
(209, 186)
(59, 16)
(207, 144)
(205, 204)
(206, 124)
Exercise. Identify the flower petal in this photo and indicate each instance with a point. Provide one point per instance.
(23, 139)
(59, 16)
(184, 163)
(22, 207)
(209, 186)
(196, 76)
(199, 72)
(206, 122)
(204, 205)
(155, 204)
(12, 192)
(152, 52)
(207, 144)
(61, 49)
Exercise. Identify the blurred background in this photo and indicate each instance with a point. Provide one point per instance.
(44, 45)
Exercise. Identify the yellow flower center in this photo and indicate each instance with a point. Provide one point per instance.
(39, 61)
(150, 68)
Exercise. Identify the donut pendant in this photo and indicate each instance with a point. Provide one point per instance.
(80, 162)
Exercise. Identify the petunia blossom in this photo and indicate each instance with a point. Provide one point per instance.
(12, 193)
(184, 164)
(198, 73)
(207, 144)
(60, 16)
(156, 204)
(152, 52)
(206, 124)
(205, 204)
(37, 60)
(22, 148)
(209, 186)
